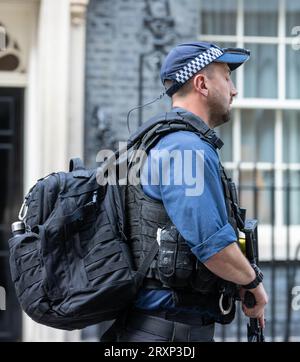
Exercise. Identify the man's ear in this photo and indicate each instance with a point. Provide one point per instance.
(201, 84)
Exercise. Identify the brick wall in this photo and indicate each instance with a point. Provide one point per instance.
(119, 32)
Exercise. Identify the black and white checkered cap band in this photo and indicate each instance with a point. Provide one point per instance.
(201, 61)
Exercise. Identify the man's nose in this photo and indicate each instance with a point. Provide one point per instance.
(234, 92)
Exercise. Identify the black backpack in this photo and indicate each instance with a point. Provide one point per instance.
(72, 266)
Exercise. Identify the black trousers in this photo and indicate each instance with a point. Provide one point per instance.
(156, 327)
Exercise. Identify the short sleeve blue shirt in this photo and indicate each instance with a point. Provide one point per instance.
(182, 171)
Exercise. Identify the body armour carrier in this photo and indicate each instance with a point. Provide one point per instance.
(175, 267)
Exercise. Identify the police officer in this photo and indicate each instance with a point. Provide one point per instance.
(199, 263)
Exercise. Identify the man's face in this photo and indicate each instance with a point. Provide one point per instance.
(221, 91)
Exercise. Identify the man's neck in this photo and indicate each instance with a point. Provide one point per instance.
(198, 111)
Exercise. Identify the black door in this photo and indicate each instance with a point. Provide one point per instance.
(11, 184)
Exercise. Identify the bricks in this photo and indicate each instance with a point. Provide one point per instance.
(114, 46)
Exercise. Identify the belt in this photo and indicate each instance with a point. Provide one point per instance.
(170, 330)
(178, 316)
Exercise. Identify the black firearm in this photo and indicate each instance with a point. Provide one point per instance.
(254, 331)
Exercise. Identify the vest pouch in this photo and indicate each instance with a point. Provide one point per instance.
(175, 264)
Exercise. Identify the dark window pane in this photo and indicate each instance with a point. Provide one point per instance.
(246, 192)
(292, 197)
(219, 17)
(257, 194)
(261, 71)
(261, 17)
(225, 133)
(292, 72)
(6, 109)
(258, 135)
(265, 192)
(292, 16)
(291, 136)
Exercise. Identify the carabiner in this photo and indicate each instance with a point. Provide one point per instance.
(222, 309)
(23, 211)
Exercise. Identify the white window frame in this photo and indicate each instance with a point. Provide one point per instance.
(279, 105)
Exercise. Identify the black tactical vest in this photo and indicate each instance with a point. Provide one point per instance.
(175, 267)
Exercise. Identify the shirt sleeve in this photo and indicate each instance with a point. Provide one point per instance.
(183, 172)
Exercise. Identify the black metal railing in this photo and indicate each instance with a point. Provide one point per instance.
(281, 274)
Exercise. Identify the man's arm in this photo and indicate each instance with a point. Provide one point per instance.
(230, 264)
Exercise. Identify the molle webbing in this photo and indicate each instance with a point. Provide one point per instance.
(144, 217)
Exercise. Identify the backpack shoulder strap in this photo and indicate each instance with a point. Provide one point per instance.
(160, 125)
(151, 123)
(151, 131)
(207, 133)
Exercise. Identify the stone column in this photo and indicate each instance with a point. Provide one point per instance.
(76, 77)
(53, 82)
(48, 114)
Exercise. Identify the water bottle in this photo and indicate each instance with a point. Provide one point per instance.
(18, 228)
